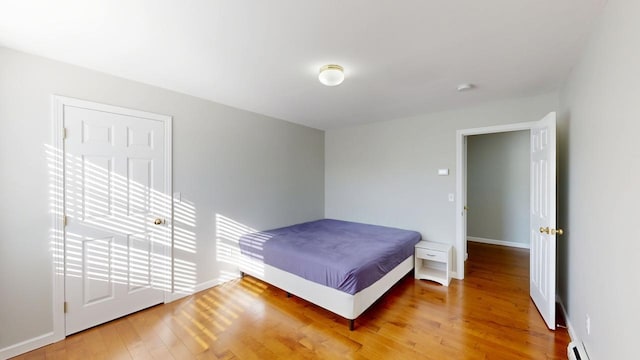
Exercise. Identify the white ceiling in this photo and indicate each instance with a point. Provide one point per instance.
(401, 57)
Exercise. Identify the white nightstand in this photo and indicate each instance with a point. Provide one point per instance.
(433, 262)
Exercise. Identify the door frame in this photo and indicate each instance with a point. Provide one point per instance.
(461, 183)
(57, 181)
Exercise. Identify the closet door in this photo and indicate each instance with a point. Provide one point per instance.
(116, 206)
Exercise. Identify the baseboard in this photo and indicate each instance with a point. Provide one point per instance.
(498, 242)
(171, 297)
(570, 328)
(27, 345)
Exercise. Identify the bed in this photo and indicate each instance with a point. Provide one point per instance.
(341, 266)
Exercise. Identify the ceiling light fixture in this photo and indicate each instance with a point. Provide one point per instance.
(465, 87)
(331, 75)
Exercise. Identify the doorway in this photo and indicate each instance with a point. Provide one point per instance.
(542, 216)
(498, 188)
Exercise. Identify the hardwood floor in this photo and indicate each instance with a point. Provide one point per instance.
(487, 316)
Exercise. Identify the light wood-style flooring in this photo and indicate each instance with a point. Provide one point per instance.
(489, 315)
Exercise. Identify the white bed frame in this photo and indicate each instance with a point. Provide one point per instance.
(341, 303)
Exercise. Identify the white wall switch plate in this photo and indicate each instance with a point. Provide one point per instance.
(443, 172)
(452, 198)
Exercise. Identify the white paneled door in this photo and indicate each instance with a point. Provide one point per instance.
(542, 276)
(117, 204)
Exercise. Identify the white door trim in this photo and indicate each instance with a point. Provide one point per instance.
(57, 215)
(461, 241)
(57, 195)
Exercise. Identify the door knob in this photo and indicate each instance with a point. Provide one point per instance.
(546, 230)
(158, 221)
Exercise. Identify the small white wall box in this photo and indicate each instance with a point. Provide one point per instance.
(443, 172)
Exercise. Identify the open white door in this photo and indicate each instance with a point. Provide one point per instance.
(542, 276)
(463, 196)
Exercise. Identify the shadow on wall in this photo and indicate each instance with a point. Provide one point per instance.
(110, 237)
(230, 234)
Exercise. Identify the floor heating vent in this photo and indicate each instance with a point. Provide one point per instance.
(575, 351)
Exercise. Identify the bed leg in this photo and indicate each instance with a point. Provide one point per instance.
(241, 274)
(288, 294)
(351, 324)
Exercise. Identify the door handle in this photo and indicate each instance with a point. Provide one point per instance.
(158, 221)
(547, 230)
(557, 232)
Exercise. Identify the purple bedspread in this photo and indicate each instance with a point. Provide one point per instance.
(343, 255)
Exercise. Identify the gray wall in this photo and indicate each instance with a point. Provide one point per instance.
(599, 172)
(498, 186)
(255, 170)
(386, 173)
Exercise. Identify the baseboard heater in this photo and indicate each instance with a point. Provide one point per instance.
(575, 351)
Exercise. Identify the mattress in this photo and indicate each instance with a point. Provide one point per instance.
(343, 255)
